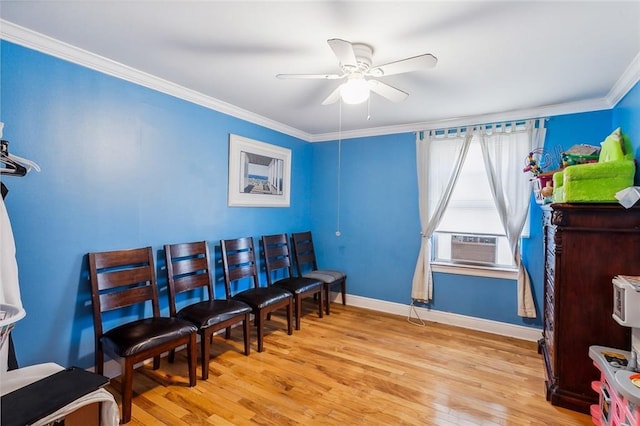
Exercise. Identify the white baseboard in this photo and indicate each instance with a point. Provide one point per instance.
(112, 368)
(472, 323)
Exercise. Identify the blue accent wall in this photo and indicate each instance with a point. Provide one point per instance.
(122, 166)
(379, 219)
(627, 116)
(125, 166)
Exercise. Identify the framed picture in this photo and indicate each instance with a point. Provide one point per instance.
(259, 173)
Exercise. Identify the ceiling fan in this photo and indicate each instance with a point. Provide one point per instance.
(356, 65)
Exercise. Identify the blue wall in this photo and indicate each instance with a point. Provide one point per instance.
(124, 166)
(627, 115)
(379, 219)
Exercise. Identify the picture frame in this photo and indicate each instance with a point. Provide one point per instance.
(259, 174)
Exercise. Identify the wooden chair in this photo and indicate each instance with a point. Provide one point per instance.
(189, 268)
(278, 261)
(121, 279)
(307, 266)
(238, 262)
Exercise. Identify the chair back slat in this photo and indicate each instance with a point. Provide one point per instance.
(124, 277)
(190, 282)
(239, 244)
(119, 258)
(187, 249)
(276, 264)
(241, 258)
(307, 258)
(241, 272)
(190, 265)
(188, 268)
(126, 297)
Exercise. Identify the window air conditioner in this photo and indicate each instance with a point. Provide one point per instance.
(473, 248)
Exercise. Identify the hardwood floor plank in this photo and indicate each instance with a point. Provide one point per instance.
(355, 367)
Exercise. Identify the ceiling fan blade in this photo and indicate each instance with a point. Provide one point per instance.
(344, 52)
(333, 97)
(386, 91)
(415, 63)
(310, 76)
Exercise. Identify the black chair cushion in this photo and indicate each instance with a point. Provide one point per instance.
(261, 297)
(297, 285)
(137, 336)
(208, 313)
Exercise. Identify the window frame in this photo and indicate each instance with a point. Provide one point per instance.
(495, 270)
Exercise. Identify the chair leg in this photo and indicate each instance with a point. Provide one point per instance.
(246, 330)
(259, 320)
(99, 360)
(298, 307)
(320, 302)
(127, 389)
(172, 355)
(156, 362)
(344, 291)
(289, 318)
(205, 355)
(227, 333)
(326, 296)
(192, 359)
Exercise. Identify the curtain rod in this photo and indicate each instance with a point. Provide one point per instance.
(463, 129)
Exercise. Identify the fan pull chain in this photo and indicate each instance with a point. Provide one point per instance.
(338, 233)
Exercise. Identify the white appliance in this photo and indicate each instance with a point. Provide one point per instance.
(626, 300)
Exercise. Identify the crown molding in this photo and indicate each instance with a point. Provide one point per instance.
(625, 83)
(45, 44)
(50, 46)
(471, 120)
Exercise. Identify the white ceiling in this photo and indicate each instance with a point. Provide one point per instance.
(501, 60)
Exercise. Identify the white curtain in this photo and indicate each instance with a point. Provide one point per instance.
(435, 185)
(504, 151)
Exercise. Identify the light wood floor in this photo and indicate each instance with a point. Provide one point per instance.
(355, 367)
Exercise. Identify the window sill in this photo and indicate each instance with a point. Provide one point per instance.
(478, 271)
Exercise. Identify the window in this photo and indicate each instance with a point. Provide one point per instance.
(441, 158)
(470, 231)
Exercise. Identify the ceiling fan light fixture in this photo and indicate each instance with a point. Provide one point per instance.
(355, 91)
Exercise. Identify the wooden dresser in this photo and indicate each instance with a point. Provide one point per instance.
(586, 245)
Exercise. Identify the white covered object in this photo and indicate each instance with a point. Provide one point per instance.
(628, 196)
(9, 288)
(16, 379)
